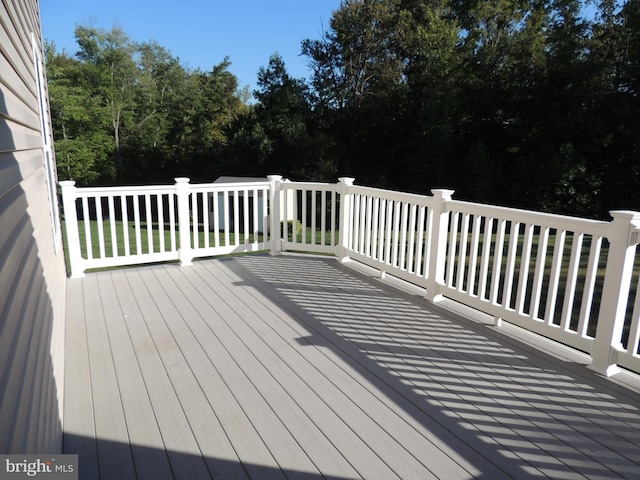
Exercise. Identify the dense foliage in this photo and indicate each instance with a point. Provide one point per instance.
(528, 103)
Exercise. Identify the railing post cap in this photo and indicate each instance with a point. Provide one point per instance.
(347, 180)
(274, 178)
(625, 215)
(67, 183)
(182, 180)
(442, 192)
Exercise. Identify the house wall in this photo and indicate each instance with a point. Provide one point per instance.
(32, 270)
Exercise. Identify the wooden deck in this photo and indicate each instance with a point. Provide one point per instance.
(300, 367)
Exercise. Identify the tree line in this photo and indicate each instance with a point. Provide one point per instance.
(527, 103)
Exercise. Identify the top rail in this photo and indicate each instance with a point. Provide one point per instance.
(593, 227)
(87, 192)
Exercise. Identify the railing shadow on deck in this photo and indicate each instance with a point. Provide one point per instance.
(509, 411)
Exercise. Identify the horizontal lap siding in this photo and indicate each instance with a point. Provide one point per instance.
(32, 274)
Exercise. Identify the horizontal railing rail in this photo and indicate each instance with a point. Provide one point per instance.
(569, 279)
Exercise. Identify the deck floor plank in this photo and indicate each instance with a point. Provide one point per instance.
(79, 427)
(220, 382)
(345, 319)
(148, 449)
(300, 367)
(283, 417)
(163, 320)
(527, 428)
(155, 417)
(328, 459)
(280, 360)
(115, 457)
(236, 358)
(343, 386)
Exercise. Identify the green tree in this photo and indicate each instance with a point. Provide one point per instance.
(615, 102)
(126, 112)
(83, 146)
(282, 111)
(430, 46)
(518, 102)
(357, 77)
(207, 106)
(112, 74)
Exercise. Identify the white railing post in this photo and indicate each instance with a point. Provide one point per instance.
(617, 282)
(615, 294)
(275, 213)
(438, 249)
(71, 225)
(183, 189)
(346, 217)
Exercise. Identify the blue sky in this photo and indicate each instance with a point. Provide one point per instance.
(201, 32)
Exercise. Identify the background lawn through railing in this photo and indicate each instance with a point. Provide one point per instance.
(138, 243)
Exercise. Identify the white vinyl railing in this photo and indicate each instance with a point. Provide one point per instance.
(537, 271)
(569, 279)
(311, 213)
(114, 226)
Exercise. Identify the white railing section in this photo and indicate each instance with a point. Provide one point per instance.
(535, 270)
(569, 279)
(229, 218)
(114, 226)
(391, 231)
(309, 213)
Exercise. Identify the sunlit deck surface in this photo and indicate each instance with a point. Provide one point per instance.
(302, 367)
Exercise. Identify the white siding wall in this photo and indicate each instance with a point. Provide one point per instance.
(32, 271)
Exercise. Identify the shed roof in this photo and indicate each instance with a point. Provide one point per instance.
(231, 179)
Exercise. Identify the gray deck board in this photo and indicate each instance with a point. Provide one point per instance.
(113, 446)
(155, 418)
(305, 388)
(344, 390)
(80, 426)
(204, 423)
(299, 367)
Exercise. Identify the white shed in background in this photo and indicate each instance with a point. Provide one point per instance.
(222, 218)
(263, 213)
